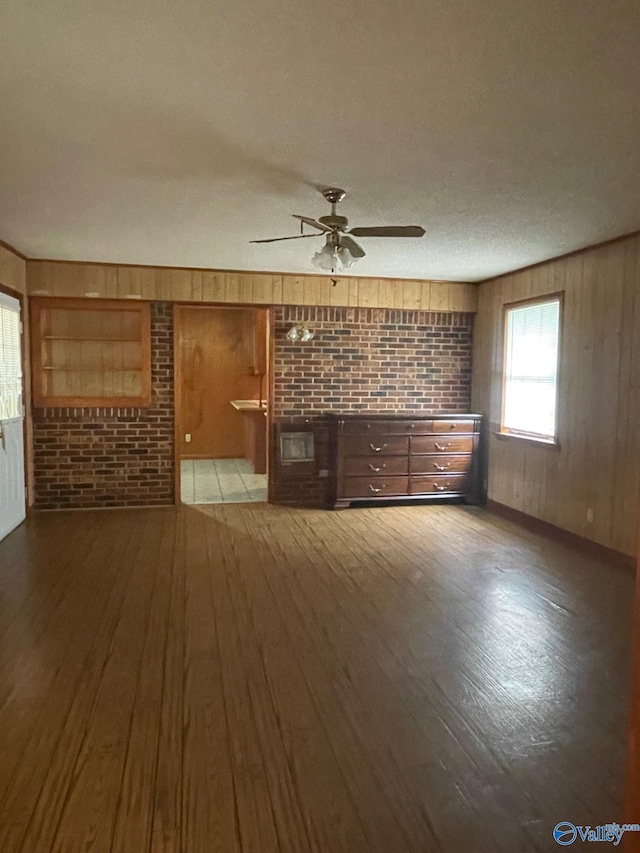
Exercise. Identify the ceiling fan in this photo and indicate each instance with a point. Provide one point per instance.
(340, 250)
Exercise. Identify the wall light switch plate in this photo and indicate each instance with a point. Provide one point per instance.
(187, 437)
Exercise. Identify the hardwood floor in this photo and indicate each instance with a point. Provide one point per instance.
(246, 678)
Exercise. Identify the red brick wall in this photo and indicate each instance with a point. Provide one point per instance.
(111, 457)
(362, 360)
(375, 360)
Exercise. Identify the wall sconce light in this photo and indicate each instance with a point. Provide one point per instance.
(300, 333)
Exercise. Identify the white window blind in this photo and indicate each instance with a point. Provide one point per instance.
(10, 364)
(531, 369)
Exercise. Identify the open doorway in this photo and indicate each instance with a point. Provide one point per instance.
(221, 404)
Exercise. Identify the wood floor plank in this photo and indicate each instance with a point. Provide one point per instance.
(209, 817)
(134, 816)
(256, 823)
(27, 766)
(427, 748)
(88, 813)
(167, 804)
(257, 679)
(331, 822)
(288, 815)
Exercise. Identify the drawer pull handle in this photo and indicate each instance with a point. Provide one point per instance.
(377, 449)
(375, 489)
(442, 446)
(452, 426)
(377, 468)
(441, 488)
(441, 467)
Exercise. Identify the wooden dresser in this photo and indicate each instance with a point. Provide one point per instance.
(396, 457)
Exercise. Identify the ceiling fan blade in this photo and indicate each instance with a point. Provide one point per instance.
(389, 231)
(352, 246)
(277, 239)
(313, 222)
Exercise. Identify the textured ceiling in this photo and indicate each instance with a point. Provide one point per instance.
(173, 133)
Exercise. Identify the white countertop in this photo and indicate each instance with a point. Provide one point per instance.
(249, 405)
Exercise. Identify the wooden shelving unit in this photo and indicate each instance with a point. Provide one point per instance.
(90, 352)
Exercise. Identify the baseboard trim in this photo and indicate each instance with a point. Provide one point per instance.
(566, 537)
(37, 510)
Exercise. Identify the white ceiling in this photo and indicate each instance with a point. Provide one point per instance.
(174, 131)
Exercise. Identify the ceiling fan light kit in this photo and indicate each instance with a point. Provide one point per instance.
(333, 256)
(340, 250)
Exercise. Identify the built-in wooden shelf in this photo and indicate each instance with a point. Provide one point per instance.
(90, 352)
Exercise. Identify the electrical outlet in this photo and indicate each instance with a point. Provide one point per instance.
(187, 437)
(589, 515)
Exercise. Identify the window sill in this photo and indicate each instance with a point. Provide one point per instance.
(536, 442)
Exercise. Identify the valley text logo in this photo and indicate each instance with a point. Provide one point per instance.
(566, 833)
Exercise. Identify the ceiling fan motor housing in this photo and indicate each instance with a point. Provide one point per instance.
(338, 223)
(333, 195)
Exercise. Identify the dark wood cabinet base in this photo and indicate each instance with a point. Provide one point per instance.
(382, 459)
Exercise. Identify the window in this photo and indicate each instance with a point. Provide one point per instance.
(10, 360)
(530, 377)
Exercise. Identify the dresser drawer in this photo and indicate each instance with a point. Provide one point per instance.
(383, 465)
(453, 426)
(375, 487)
(386, 427)
(443, 463)
(383, 445)
(454, 484)
(441, 444)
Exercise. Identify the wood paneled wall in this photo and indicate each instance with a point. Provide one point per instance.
(598, 464)
(54, 278)
(13, 270)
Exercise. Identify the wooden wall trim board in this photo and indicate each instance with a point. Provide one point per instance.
(559, 534)
(212, 269)
(271, 390)
(53, 278)
(177, 409)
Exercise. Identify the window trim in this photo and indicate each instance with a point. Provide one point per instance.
(504, 432)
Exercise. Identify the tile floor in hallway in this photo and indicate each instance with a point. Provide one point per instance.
(215, 481)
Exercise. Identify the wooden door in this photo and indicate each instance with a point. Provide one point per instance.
(213, 368)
